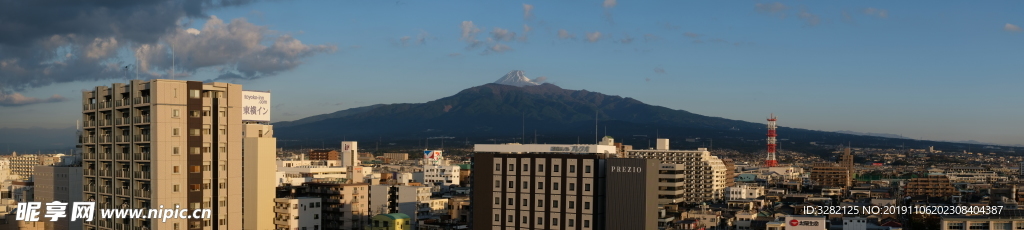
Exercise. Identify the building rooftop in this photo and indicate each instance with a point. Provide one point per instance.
(396, 216)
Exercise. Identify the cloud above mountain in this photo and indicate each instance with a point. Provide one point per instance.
(84, 40)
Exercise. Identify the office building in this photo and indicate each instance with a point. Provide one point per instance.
(319, 155)
(552, 186)
(686, 176)
(59, 183)
(297, 213)
(167, 143)
(350, 153)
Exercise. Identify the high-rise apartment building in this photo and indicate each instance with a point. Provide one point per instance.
(687, 176)
(171, 143)
(551, 186)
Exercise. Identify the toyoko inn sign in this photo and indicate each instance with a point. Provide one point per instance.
(255, 106)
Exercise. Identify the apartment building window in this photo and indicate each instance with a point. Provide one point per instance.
(511, 201)
(586, 205)
(572, 223)
(193, 93)
(175, 169)
(193, 113)
(206, 113)
(586, 187)
(497, 183)
(206, 149)
(526, 167)
(586, 169)
(511, 184)
(175, 149)
(316, 216)
(540, 220)
(554, 221)
(557, 167)
(526, 203)
(175, 188)
(540, 203)
(586, 223)
(572, 186)
(540, 168)
(194, 169)
(525, 220)
(511, 167)
(497, 200)
(223, 222)
(194, 188)
(497, 167)
(176, 113)
(194, 132)
(510, 218)
(554, 203)
(540, 185)
(526, 184)
(555, 186)
(572, 169)
(572, 204)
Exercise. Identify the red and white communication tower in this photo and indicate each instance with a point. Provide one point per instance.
(770, 161)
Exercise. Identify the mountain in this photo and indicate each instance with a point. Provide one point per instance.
(515, 78)
(514, 108)
(886, 135)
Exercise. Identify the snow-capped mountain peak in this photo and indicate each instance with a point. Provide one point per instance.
(515, 78)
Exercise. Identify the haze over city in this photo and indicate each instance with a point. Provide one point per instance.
(935, 71)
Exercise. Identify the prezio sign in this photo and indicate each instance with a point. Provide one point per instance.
(255, 106)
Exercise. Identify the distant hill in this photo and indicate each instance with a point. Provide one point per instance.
(560, 116)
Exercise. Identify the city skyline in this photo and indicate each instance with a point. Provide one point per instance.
(939, 72)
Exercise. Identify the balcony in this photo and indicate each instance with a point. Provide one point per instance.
(123, 174)
(105, 122)
(142, 119)
(120, 226)
(122, 102)
(122, 121)
(106, 173)
(143, 193)
(89, 188)
(89, 172)
(103, 223)
(121, 191)
(141, 175)
(143, 156)
(106, 156)
(88, 106)
(105, 104)
(122, 139)
(123, 156)
(142, 138)
(89, 155)
(142, 100)
(105, 139)
(105, 189)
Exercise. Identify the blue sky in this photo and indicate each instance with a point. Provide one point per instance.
(935, 70)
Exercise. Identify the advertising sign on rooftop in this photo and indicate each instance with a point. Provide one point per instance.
(255, 106)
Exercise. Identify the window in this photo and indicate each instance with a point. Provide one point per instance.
(193, 93)
(511, 184)
(526, 167)
(497, 183)
(554, 221)
(540, 168)
(586, 223)
(540, 203)
(316, 216)
(540, 220)
(175, 169)
(194, 132)
(175, 132)
(586, 205)
(554, 203)
(572, 223)
(572, 169)
(572, 186)
(511, 202)
(555, 186)
(509, 218)
(175, 114)
(497, 200)
(524, 219)
(194, 169)
(526, 184)
(194, 188)
(175, 188)
(557, 167)
(586, 169)
(206, 113)
(511, 167)
(586, 187)
(540, 185)
(193, 113)
(175, 150)
(526, 203)
(496, 217)
(572, 204)
(497, 167)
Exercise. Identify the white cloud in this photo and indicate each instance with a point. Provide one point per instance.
(593, 37)
(610, 3)
(881, 13)
(16, 99)
(469, 32)
(564, 34)
(527, 11)
(500, 34)
(498, 48)
(1011, 28)
(809, 18)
